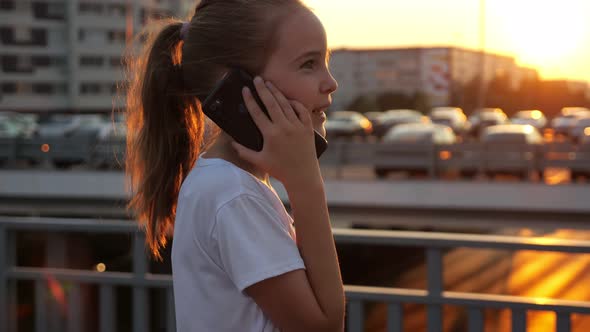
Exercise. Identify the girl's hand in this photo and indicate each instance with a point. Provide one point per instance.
(288, 152)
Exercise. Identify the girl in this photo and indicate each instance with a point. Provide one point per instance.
(238, 262)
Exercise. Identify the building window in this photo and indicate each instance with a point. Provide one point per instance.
(9, 88)
(7, 5)
(40, 61)
(116, 62)
(43, 88)
(116, 10)
(6, 36)
(16, 64)
(91, 61)
(116, 36)
(89, 88)
(51, 11)
(90, 8)
(38, 37)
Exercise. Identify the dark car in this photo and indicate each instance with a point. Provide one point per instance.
(392, 118)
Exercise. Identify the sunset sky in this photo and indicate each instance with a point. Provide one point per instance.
(551, 36)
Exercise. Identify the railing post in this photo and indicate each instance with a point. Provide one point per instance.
(518, 320)
(475, 320)
(40, 306)
(106, 309)
(564, 323)
(395, 317)
(170, 311)
(356, 316)
(56, 257)
(3, 281)
(139, 291)
(74, 321)
(435, 287)
(11, 299)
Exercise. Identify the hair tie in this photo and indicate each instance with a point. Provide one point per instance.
(184, 30)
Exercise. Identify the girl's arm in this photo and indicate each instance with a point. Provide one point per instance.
(310, 300)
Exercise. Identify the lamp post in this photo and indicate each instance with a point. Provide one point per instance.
(482, 56)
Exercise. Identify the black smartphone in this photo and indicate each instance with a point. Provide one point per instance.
(225, 106)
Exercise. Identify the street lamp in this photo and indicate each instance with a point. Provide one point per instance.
(482, 60)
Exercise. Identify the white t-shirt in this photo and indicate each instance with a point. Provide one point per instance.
(231, 231)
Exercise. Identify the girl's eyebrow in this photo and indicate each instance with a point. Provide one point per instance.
(308, 54)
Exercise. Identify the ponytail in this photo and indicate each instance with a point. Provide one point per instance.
(165, 124)
(164, 134)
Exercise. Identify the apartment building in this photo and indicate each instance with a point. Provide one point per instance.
(66, 55)
(432, 71)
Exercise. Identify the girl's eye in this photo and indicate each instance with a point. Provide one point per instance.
(308, 64)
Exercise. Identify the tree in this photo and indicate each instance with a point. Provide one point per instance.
(363, 104)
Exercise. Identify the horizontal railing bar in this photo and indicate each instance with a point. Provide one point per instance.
(342, 235)
(69, 225)
(419, 296)
(353, 292)
(85, 276)
(454, 240)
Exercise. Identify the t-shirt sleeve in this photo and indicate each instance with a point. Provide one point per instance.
(253, 242)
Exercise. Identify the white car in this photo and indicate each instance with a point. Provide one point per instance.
(415, 136)
(534, 118)
(347, 124)
(450, 116)
(563, 123)
(580, 127)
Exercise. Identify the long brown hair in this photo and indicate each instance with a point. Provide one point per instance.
(167, 81)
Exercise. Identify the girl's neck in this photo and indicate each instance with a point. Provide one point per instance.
(222, 149)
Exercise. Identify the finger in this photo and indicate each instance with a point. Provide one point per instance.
(284, 103)
(258, 116)
(245, 153)
(302, 112)
(274, 109)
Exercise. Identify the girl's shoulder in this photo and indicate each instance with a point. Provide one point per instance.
(218, 181)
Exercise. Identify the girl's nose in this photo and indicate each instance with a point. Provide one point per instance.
(329, 85)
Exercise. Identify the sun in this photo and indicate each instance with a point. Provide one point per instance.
(544, 33)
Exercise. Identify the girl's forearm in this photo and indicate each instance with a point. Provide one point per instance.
(316, 245)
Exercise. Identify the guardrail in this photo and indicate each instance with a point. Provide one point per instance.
(467, 158)
(433, 297)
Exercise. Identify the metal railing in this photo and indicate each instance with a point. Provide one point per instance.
(434, 296)
(469, 158)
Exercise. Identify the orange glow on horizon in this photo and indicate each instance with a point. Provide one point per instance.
(547, 36)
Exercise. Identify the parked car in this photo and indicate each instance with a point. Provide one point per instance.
(394, 117)
(534, 118)
(581, 158)
(65, 125)
(510, 149)
(579, 128)
(566, 120)
(347, 124)
(17, 124)
(9, 129)
(486, 117)
(416, 153)
(373, 117)
(452, 117)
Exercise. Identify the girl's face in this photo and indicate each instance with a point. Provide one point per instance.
(299, 65)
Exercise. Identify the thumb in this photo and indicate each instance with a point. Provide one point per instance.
(245, 153)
